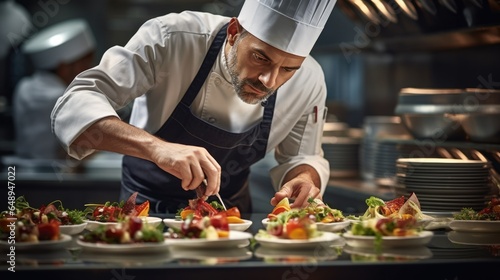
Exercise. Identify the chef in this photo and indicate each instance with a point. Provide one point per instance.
(212, 95)
(58, 53)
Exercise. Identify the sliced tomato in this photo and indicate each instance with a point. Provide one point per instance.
(219, 222)
(233, 211)
(49, 231)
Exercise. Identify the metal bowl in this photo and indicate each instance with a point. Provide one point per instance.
(432, 113)
(439, 127)
(483, 112)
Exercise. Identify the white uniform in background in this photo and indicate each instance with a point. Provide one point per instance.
(36, 95)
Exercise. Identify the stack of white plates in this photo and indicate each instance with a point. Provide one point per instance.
(343, 155)
(445, 185)
(386, 154)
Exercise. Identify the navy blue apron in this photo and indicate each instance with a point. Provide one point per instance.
(235, 152)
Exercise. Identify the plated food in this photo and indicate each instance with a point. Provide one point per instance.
(234, 239)
(116, 211)
(206, 232)
(325, 217)
(399, 208)
(387, 232)
(40, 245)
(93, 225)
(485, 220)
(380, 242)
(128, 235)
(24, 223)
(320, 240)
(177, 223)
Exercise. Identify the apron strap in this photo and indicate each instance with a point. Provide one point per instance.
(205, 67)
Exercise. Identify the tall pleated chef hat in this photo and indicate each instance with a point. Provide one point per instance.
(292, 26)
(64, 42)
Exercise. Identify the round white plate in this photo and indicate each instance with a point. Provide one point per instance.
(175, 223)
(72, 229)
(236, 239)
(325, 239)
(40, 245)
(474, 238)
(444, 162)
(421, 239)
(331, 227)
(92, 225)
(475, 225)
(133, 248)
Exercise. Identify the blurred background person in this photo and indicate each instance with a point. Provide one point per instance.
(58, 53)
(15, 27)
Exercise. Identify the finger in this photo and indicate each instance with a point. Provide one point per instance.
(213, 177)
(278, 196)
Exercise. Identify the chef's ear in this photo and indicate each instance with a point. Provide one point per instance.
(233, 30)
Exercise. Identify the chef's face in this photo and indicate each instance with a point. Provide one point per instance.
(257, 69)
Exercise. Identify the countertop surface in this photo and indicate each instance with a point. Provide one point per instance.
(446, 256)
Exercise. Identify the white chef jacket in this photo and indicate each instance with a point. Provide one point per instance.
(156, 67)
(33, 101)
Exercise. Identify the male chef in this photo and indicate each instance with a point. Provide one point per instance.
(212, 95)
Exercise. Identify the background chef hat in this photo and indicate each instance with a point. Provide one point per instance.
(64, 42)
(292, 26)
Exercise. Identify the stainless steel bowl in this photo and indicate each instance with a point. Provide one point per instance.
(481, 123)
(438, 127)
(434, 114)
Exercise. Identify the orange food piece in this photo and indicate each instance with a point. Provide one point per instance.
(280, 209)
(185, 213)
(143, 209)
(223, 233)
(297, 233)
(234, 220)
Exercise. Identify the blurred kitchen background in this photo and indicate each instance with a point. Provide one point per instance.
(374, 54)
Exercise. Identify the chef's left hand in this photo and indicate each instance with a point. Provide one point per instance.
(304, 184)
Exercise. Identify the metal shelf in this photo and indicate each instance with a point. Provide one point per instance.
(440, 41)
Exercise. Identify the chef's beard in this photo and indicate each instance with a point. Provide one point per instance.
(238, 84)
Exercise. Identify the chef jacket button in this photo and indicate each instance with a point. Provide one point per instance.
(217, 81)
(212, 120)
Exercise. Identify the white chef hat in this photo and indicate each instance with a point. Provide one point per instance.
(64, 42)
(292, 26)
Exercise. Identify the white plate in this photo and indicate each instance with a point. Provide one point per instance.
(175, 223)
(72, 229)
(92, 225)
(475, 225)
(442, 162)
(40, 245)
(325, 239)
(421, 239)
(331, 227)
(236, 239)
(474, 238)
(134, 248)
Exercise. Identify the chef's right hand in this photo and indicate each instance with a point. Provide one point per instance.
(191, 164)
